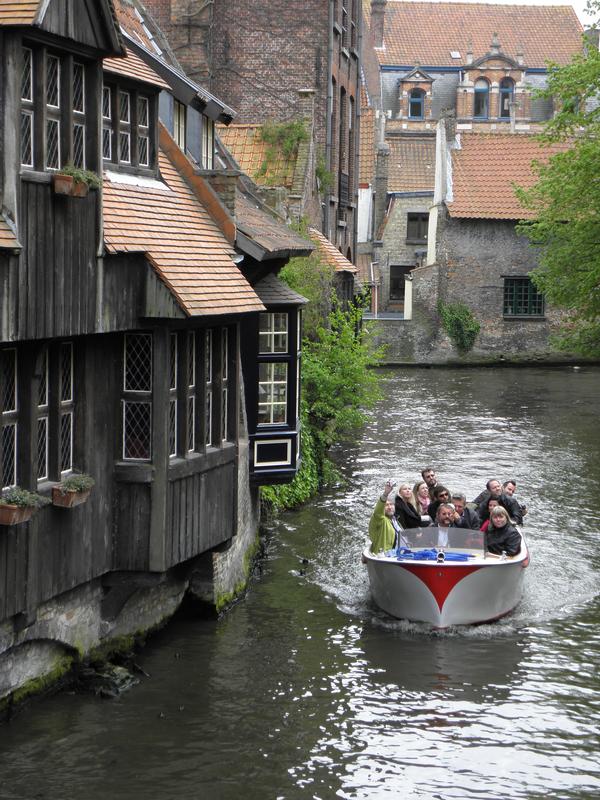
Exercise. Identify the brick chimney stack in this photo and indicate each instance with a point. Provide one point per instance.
(377, 18)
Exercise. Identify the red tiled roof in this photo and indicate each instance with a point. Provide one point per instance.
(18, 12)
(411, 164)
(129, 21)
(367, 146)
(249, 150)
(132, 66)
(485, 169)
(7, 237)
(426, 32)
(330, 253)
(180, 239)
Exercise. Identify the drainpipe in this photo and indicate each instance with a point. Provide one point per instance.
(328, 131)
(357, 116)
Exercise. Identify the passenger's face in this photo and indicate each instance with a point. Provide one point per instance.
(498, 521)
(492, 504)
(389, 509)
(423, 491)
(445, 516)
(459, 506)
(509, 489)
(495, 488)
(429, 478)
(405, 492)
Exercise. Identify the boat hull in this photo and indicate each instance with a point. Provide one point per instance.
(465, 593)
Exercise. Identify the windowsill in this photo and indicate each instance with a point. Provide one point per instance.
(532, 317)
(337, 28)
(194, 463)
(417, 241)
(345, 52)
(35, 176)
(128, 169)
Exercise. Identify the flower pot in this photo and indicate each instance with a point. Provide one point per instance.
(68, 499)
(13, 515)
(63, 184)
(80, 189)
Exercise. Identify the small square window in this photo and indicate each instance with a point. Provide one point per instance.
(522, 299)
(416, 228)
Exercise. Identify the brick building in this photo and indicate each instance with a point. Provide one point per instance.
(259, 55)
(458, 85)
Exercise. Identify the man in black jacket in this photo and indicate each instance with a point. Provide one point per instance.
(494, 489)
(464, 517)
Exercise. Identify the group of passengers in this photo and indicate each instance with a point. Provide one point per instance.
(494, 511)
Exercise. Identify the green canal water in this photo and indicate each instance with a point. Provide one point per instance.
(306, 690)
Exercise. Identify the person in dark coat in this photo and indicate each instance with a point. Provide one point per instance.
(430, 478)
(464, 517)
(501, 536)
(440, 495)
(494, 490)
(405, 511)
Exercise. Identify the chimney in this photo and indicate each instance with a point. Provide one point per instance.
(495, 46)
(377, 19)
(381, 185)
(469, 52)
(520, 55)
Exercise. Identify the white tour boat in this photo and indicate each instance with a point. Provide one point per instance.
(454, 583)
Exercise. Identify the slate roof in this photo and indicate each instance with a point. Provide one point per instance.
(273, 236)
(426, 32)
(274, 292)
(485, 169)
(174, 230)
(330, 253)
(249, 151)
(133, 67)
(411, 164)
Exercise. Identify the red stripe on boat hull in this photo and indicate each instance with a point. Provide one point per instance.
(440, 579)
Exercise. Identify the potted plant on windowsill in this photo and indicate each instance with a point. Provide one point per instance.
(18, 505)
(75, 181)
(73, 491)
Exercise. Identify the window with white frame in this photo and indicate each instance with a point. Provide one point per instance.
(272, 393)
(66, 409)
(273, 332)
(208, 143)
(208, 387)
(42, 418)
(173, 383)
(79, 100)
(179, 122)
(224, 384)
(53, 132)
(127, 126)
(27, 108)
(8, 417)
(137, 396)
(191, 394)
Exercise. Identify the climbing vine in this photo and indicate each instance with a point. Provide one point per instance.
(460, 324)
(281, 138)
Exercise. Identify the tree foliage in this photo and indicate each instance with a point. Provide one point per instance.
(566, 203)
(460, 324)
(312, 278)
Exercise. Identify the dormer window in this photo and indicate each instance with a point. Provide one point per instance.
(54, 113)
(208, 143)
(507, 88)
(416, 104)
(481, 106)
(127, 129)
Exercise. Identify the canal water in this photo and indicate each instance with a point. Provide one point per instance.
(306, 690)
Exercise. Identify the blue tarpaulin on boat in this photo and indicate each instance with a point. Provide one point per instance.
(406, 554)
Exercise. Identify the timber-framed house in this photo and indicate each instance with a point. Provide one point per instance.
(122, 318)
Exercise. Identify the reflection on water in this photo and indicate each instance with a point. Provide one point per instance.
(306, 690)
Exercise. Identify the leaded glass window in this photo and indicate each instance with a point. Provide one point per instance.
(8, 417)
(173, 370)
(191, 399)
(137, 402)
(66, 407)
(208, 387)
(107, 122)
(27, 109)
(143, 137)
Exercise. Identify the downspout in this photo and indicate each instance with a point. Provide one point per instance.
(328, 131)
(357, 125)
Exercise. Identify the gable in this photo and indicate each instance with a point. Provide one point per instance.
(87, 22)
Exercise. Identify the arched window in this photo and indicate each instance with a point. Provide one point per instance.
(482, 99)
(416, 104)
(507, 89)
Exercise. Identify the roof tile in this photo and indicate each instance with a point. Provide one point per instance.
(426, 32)
(180, 239)
(485, 169)
(411, 164)
(330, 253)
(269, 233)
(18, 12)
(132, 66)
(250, 151)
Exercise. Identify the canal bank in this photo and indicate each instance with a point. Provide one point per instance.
(305, 690)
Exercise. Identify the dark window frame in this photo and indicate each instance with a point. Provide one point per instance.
(417, 227)
(416, 96)
(132, 127)
(507, 90)
(521, 299)
(40, 113)
(481, 99)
